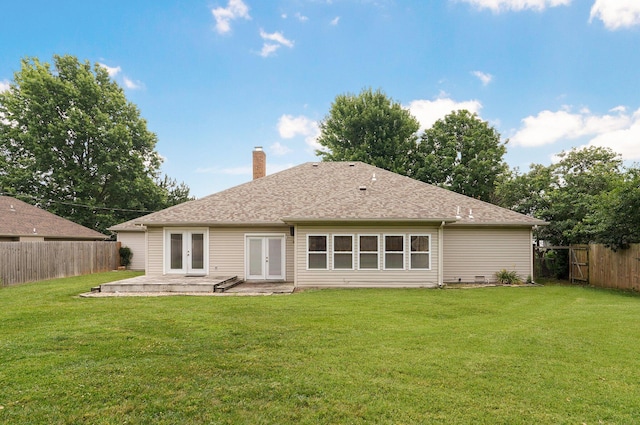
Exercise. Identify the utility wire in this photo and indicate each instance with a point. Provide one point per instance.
(73, 204)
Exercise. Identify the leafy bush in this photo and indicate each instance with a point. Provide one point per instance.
(508, 277)
(125, 256)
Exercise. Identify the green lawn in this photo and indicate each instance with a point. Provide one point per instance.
(534, 355)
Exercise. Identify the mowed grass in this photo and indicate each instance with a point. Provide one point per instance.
(543, 355)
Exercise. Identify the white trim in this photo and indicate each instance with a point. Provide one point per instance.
(333, 252)
(283, 254)
(187, 233)
(384, 251)
(326, 252)
(428, 252)
(440, 254)
(377, 252)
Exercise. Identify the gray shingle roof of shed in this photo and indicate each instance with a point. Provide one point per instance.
(334, 191)
(17, 218)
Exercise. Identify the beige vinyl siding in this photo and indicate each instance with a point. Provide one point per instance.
(365, 278)
(155, 240)
(478, 251)
(136, 242)
(227, 250)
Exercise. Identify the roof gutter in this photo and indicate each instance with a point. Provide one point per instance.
(304, 220)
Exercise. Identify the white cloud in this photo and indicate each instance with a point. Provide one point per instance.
(130, 84)
(616, 14)
(224, 15)
(4, 85)
(277, 37)
(269, 48)
(429, 111)
(616, 130)
(301, 17)
(335, 21)
(290, 127)
(516, 5)
(484, 78)
(623, 140)
(111, 70)
(278, 149)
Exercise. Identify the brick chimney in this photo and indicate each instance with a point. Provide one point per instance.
(259, 163)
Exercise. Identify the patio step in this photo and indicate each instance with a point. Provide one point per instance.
(227, 284)
(177, 284)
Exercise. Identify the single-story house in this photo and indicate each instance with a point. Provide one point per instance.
(24, 222)
(134, 237)
(338, 224)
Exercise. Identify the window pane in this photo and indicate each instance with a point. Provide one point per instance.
(342, 243)
(393, 261)
(275, 257)
(197, 251)
(317, 261)
(369, 243)
(368, 261)
(176, 250)
(419, 261)
(317, 243)
(420, 243)
(255, 257)
(393, 243)
(343, 261)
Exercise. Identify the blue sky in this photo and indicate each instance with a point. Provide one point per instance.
(215, 78)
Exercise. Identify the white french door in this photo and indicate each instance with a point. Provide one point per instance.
(265, 258)
(186, 251)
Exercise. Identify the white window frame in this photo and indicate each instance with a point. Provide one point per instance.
(326, 253)
(377, 252)
(385, 252)
(411, 252)
(186, 234)
(334, 252)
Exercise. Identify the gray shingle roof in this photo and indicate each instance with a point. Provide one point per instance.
(17, 218)
(130, 226)
(335, 191)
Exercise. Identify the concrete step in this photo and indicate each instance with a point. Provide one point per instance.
(227, 284)
(163, 284)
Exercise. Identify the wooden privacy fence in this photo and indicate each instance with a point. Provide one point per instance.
(22, 262)
(619, 269)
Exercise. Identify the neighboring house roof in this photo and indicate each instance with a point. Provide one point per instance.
(18, 219)
(335, 192)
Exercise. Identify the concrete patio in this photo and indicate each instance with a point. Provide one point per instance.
(187, 285)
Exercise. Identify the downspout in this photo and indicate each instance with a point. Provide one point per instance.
(440, 255)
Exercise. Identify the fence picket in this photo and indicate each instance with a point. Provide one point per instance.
(22, 262)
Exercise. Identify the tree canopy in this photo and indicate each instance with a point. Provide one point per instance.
(372, 128)
(462, 153)
(569, 194)
(71, 141)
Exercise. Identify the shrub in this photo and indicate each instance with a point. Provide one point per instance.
(508, 277)
(125, 256)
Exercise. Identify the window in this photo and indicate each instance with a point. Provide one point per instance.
(317, 252)
(343, 252)
(420, 252)
(393, 252)
(368, 255)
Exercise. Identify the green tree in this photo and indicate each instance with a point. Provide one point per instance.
(372, 128)
(464, 154)
(565, 194)
(615, 220)
(70, 140)
(526, 193)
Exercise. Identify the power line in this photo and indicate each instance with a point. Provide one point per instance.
(73, 204)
